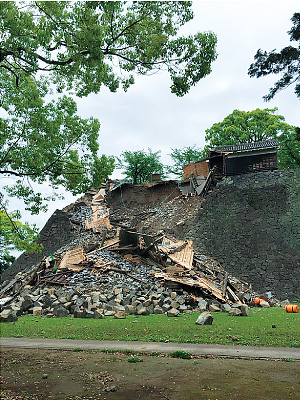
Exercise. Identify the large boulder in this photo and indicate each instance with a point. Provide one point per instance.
(173, 312)
(214, 308)
(235, 312)
(37, 311)
(264, 304)
(120, 315)
(245, 310)
(205, 318)
(8, 315)
(60, 311)
(143, 311)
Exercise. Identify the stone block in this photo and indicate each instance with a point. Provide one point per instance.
(143, 311)
(225, 307)
(8, 315)
(214, 308)
(95, 297)
(174, 304)
(120, 315)
(60, 311)
(37, 311)
(173, 312)
(166, 307)
(147, 303)
(264, 304)
(180, 300)
(205, 318)
(78, 313)
(234, 312)
(46, 301)
(88, 313)
(27, 304)
(202, 304)
(99, 314)
(245, 310)
(130, 309)
(109, 313)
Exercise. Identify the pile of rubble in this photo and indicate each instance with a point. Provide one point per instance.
(123, 272)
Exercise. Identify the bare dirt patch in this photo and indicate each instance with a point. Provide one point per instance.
(28, 374)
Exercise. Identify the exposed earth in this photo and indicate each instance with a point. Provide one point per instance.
(28, 374)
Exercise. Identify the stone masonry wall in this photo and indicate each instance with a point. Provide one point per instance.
(251, 223)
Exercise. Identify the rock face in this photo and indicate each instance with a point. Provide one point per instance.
(251, 224)
(205, 319)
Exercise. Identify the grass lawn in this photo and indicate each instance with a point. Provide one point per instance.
(255, 330)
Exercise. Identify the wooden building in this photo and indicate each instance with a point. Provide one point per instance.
(244, 158)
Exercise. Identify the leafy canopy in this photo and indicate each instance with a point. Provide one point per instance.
(14, 234)
(181, 157)
(84, 45)
(254, 126)
(78, 47)
(139, 166)
(286, 62)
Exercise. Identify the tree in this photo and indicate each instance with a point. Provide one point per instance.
(289, 154)
(78, 47)
(5, 261)
(139, 166)
(257, 125)
(14, 233)
(285, 62)
(181, 157)
(84, 45)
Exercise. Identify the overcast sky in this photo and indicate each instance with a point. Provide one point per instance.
(150, 116)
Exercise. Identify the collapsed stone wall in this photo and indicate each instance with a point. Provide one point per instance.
(251, 223)
(56, 233)
(62, 228)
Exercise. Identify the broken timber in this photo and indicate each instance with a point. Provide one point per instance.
(179, 252)
(200, 282)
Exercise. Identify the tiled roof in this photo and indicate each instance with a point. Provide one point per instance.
(248, 146)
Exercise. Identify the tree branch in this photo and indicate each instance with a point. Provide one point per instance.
(13, 145)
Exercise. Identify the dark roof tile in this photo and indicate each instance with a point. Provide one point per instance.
(248, 146)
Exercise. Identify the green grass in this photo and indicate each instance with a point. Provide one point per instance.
(134, 359)
(181, 354)
(255, 330)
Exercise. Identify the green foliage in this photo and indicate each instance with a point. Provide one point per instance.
(245, 127)
(14, 233)
(181, 354)
(286, 62)
(139, 165)
(5, 260)
(181, 157)
(254, 126)
(289, 154)
(255, 330)
(134, 359)
(79, 43)
(78, 47)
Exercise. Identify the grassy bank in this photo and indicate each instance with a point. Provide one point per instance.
(255, 330)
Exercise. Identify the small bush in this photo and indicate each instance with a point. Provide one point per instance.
(154, 353)
(134, 359)
(181, 354)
